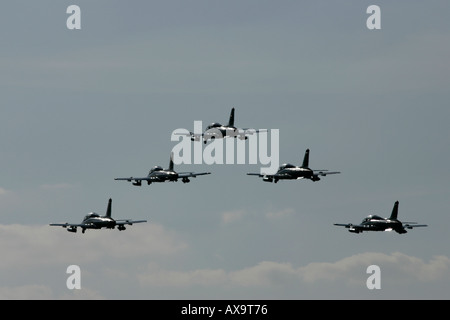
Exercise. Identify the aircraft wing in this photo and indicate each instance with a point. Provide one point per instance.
(255, 174)
(410, 225)
(132, 178)
(324, 172)
(73, 225)
(262, 175)
(269, 177)
(191, 174)
(347, 225)
(276, 175)
(137, 179)
(352, 227)
(65, 225)
(128, 221)
(190, 134)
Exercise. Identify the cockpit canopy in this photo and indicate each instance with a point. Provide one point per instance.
(91, 215)
(286, 166)
(372, 217)
(156, 168)
(214, 125)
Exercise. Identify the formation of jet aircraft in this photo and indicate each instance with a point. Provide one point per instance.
(158, 174)
(96, 221)
(377, 223)
(285, 172)
(288, 171)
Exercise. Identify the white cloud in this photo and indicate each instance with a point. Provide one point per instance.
(46, 251)
(8, 199)
(396, 267)
(26, 247)
(42, 292)
(35, 259)
(156, 276)
(3, 192)
(82, 294)
(26, 292)
(280, 214)
(266, 273)
(232, 216)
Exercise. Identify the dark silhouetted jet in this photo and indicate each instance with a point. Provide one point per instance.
(158, 174)
(95, 221)
(217, 131)
(377, 223)
(290, 172)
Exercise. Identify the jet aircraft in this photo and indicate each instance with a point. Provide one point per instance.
(95, 221)
(290, 172)
(377, 223)
(216, 131)
(158, 174)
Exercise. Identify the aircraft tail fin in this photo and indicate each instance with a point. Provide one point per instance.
(231, 121)
(108, 210)
(171, 162)
(394, 212)
(306, 159)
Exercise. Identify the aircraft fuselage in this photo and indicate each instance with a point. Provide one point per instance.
(217, 131)
(99, 222)
(380, 225)
(161, 176)
(295, 173)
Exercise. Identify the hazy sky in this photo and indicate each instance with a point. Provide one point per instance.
(81, 107)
